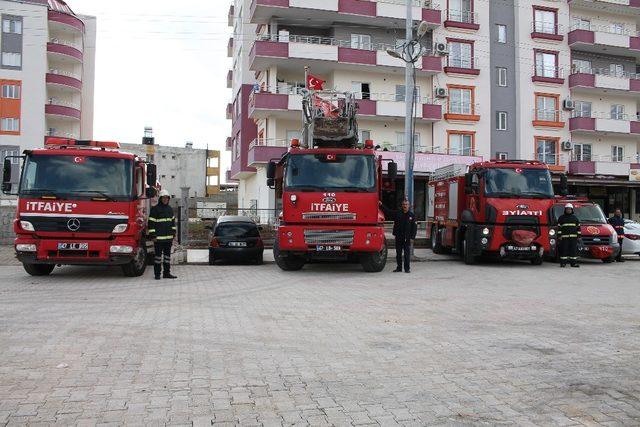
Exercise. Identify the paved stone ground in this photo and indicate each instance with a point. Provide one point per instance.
(448, 344)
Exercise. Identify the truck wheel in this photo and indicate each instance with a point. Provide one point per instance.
(138, 264)
(467, 252)
(38, 269)
(287, 262)
(374, 262)
(436, 244)
(537, 261)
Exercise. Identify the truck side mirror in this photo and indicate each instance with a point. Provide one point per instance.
(6, 176)
(564, 185)
(152, 174)
(468, 184)
(271, 182)
(150, 192)
(271, 170)
(393, 170)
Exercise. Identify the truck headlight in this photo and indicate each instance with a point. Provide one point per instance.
(27, 226)
(121, 249)
(552, 232)
(120, 228)
(26, 248)
(486, 231)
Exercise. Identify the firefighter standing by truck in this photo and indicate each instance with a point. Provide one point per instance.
(162, 229)
(569, 233)
(404, 230)
(617, 222)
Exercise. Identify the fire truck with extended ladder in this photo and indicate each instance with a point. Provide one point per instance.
(493, 208)
(82, 203)
(329, 184)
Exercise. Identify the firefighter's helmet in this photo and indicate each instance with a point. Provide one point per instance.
(568, 206)
(164, 193)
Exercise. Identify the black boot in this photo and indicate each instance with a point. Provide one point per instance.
(397, 270)
(169, 276)
(575, 265)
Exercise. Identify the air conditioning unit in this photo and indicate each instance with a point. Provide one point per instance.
(440, 92)
(441, 49)
(569, 105)
(567, 145)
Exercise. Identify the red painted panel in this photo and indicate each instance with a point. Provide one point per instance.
(61, 110)
(272, 49)
(356, 56)
(634, 3)
(358, 7)
(271, 101)
(432, 16)
(581, 36)
(367, 107)
(582, 80)
(462, 25)
(582, 168)
(635, 127)
(582, 123)
(64, 80)
(64, 50)
(432, 63)
(545, 36)
(63, 18)
(634, 85)
(634, 43)
(552, 80)
(276, 3)
(457, 70)
(261, 154)
(432, 112)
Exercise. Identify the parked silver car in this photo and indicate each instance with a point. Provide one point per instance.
(631, 244)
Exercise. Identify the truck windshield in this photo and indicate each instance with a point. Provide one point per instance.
(506, 182)
(338, 172)
(587, 214)
(77, 177)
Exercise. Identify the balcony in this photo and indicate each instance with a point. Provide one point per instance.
(230, 48)
(463, 19)
(64, 80)
(603, 165)
(387, 13)
(548, 75)
(467, 66)
(624, 7)
(63, 109)
(600, 39)
(546, 31)
(321, 53)
(230, 16)
(229, 111)
(262, 150)
(230, 79)
(462, 112)
(64, 50)
(378, 107)
(229, 143)
(601, 123)
(548, 119)
(603, 81)
(65, 21)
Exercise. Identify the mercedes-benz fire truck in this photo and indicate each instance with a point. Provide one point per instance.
(82, 203)
(330, 185)
(494, 208)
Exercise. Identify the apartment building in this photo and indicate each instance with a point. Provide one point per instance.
(533, 79)
(47, 68)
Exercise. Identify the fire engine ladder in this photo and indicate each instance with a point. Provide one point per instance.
(450, 171)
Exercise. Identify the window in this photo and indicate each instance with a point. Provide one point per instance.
(546, 150)
(401, 92)
(501, 155)
(547, 108)
(11, 59)
(12, 26)
(461, 143)
(461, 100)
(582, 152)
(581, 24)
(11, 91)
(10, 125)
(583, 109)
(361, 41)
(616, 70)
(617, 28)
(546, 64)
(581, 66)
(501, 120)
(502, 33)
(545, 21)
(364, 135)
(617, 153)
(460, 11)
(502, 76)
(400, 141)
(361, 90)
(617, 112)
(460, 54)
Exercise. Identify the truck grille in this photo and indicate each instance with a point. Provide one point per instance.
(61, 224)
(525, 223)
(596, 240)
(329, 237)
(330, 216)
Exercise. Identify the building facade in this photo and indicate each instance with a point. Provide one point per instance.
(47, 68)
(548, 80)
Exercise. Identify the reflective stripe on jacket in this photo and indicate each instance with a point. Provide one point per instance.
(617, 222)
(569, 227)
(162, 222)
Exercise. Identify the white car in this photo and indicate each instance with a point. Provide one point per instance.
(631, 243)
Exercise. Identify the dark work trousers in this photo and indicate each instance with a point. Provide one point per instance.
(162, 257)
(403, 246)
(619, 257)
(569, 250)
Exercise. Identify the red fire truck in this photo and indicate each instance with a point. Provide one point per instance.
(493, 208)
(82, 203)
(329, 185)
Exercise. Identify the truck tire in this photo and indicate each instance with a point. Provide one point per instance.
(374, 262)
(436, 244)
(38, 270)
(287, 262)
(138, 265)
(467, 252)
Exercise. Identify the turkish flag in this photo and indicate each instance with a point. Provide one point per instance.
(314, 83)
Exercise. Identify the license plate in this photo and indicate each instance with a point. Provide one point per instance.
(238, 244)
(329, 248)
(519, 248)
(73, 246)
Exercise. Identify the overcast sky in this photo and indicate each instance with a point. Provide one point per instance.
(163, 64)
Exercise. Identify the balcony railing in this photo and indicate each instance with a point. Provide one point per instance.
(65, 43)
(604, 28)
(59, 134)
(605, 72)
(463, 108)
(604, 115)
(64, 73)
(547, 28)
(269, 142)
(462, 62)
(464, 16)
(63, 103)
(425, 4)
(546, 115)
(548, 72)
(608, 158)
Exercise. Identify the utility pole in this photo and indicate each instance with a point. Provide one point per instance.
(409, 100)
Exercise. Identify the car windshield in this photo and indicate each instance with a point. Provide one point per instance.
(338, 172)
(587, 214)
(237, 230)
(517, 182)
(77, 177)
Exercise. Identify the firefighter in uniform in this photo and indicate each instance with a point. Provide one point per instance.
(617, 222)
(162, 229)
(404, 230)
(569, 233)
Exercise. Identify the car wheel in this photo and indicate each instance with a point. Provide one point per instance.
(212, 258)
